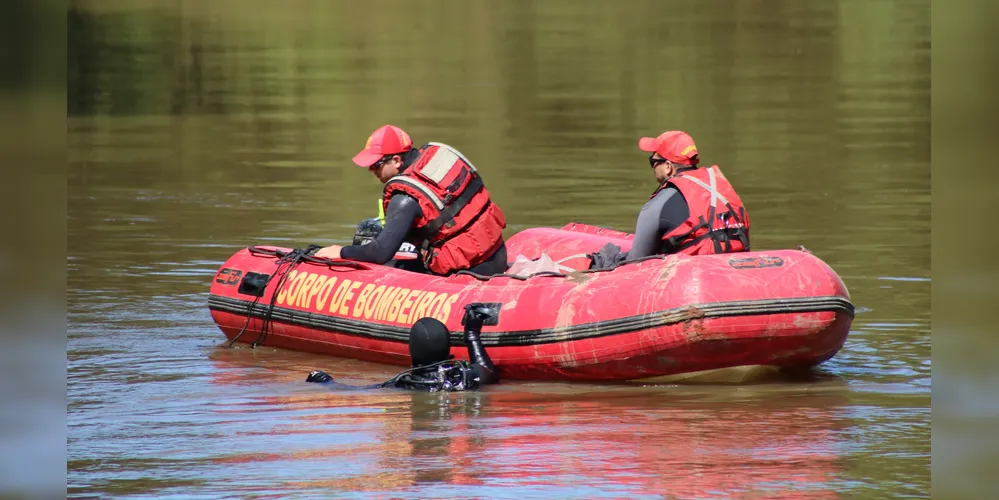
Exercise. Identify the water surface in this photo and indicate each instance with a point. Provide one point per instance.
(197, 128)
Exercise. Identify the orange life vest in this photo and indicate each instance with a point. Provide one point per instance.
(460, 226)
(718, 222)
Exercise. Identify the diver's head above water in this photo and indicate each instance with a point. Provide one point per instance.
(429, 342)
(433, 368)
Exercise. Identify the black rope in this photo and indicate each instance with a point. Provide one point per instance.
(291, 259)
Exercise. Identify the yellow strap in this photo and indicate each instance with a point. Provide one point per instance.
(381, 212)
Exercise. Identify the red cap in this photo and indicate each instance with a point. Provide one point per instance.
(387, 140)
(674, 145)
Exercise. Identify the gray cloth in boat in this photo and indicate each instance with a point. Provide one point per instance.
(608, 257)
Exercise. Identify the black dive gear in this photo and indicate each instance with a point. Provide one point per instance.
(429, 342)
(429, 347)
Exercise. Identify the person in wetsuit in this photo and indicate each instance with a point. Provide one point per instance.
(435, 199)
(433, 368)
(694, 211)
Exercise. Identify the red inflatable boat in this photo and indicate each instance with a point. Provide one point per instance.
(655, 320)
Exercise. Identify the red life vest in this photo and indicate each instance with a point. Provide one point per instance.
(460, 226)
(718, 222)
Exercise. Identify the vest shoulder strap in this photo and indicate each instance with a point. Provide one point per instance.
(405, 179)
(448, 213)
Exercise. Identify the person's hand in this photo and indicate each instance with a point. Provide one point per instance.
(318, 377)
(330, 252)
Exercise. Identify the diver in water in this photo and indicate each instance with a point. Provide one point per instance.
(433, 368)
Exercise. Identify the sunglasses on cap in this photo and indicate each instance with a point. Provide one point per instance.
(654, 162)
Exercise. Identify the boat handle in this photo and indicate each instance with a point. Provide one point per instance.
(337, 262)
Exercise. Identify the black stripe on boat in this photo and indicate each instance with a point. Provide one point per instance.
(544, 335)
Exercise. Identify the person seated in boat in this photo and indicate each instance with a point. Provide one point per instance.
(435, 199)
(694, 211)
(433, 368)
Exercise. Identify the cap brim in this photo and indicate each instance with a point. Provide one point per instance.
(647, 144)
(366, 158)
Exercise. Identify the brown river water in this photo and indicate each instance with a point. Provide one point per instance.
(197, 128)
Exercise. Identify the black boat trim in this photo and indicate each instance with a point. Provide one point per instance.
(545, 335)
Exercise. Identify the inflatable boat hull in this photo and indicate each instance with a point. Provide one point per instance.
(653, 320)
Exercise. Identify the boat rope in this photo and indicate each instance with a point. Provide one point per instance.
(566, 269)
(290, 260)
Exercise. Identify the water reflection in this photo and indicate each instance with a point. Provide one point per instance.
(542, 438)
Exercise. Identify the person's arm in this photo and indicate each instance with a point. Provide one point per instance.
(402, 212)
(660, 215)
(475, 315)
(321, 377)
(479, 358)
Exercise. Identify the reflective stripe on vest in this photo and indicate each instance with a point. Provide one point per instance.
(418, 185)
(440, 164)
(444, 147)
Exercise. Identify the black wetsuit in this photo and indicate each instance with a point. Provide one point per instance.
(660, 215)
(402, 212)
(448, 375)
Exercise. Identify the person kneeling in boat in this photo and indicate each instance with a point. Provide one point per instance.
(436, 200)
(433, 368)
(694, 211)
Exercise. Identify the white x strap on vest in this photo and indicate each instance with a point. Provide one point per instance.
(712, 188)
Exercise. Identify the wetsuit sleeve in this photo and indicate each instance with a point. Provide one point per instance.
(660, 215)
(402, 212)
(321, 377)
(479, 359)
